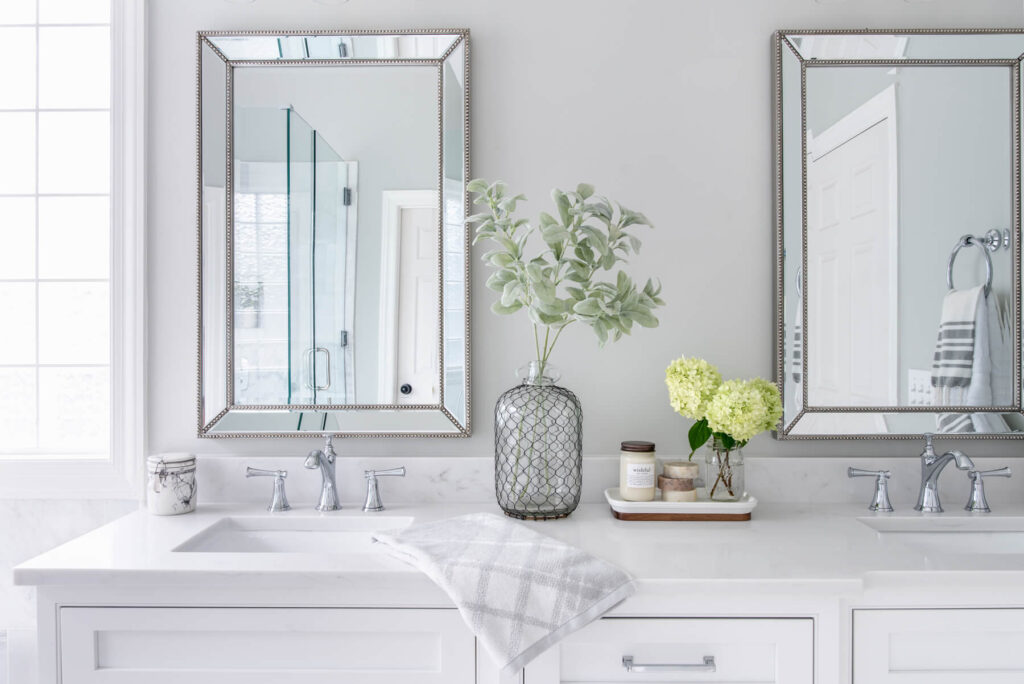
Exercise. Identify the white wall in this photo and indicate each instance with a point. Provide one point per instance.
(678, 125)
(28, 528)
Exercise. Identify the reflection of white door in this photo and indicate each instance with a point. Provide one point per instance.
(852, 259)
(418, 347)
(409, 352)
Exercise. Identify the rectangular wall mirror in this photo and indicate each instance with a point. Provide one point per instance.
(333, 249)
(898, 278)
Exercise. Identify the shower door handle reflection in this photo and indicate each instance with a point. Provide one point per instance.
(311, 364)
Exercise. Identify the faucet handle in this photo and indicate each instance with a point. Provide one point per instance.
(279, 502)
(929, 450)
(880, 501)
(392, 472)
(977, 503)
(373, 502)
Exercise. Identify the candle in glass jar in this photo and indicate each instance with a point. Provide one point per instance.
(637, 475)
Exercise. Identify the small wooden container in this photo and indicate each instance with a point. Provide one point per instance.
(679, 481)
(677, 488)
(681, 469)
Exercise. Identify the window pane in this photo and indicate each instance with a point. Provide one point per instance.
(55, 236)
(18, 161)
(74, 237)
(74, 152)
(17, 409)
(74, 11)
(74, 67)
(18, 12)
(18, 341)
(18, 55)
(74, 323)
(73, 409)
(18, 237)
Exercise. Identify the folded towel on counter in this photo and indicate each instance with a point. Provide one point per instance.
(518, 590)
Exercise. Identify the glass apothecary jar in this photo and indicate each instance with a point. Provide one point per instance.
(723, 471)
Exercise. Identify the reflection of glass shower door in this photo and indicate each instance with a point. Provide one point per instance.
(330, 278)
(302, 355)
(294, 274)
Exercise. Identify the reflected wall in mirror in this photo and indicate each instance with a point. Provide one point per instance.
(898, 233)
(333, 250)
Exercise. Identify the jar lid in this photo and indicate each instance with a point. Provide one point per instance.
(638, 446)
(179, 460)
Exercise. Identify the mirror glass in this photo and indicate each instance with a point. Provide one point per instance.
(898, 185)
(334, 260)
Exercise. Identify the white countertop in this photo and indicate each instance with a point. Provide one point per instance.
(807, 548)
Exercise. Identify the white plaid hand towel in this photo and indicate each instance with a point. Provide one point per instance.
(518, 590)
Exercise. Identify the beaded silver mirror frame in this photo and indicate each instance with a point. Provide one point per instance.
(783, 48)
(217, 413)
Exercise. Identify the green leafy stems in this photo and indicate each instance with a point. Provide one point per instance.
(589, 236)
(701, 432)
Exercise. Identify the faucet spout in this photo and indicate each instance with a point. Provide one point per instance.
(932, 466)
(325, 460)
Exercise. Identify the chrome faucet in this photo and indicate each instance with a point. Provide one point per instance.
(931, 467)
(325, 460)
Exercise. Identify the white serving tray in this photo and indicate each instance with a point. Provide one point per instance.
(681, 510)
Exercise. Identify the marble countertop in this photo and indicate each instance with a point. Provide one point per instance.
(800, 547)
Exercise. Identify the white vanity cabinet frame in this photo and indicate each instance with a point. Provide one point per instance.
(700, 603)
(832, 606)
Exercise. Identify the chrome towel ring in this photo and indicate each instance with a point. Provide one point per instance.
(992, 241)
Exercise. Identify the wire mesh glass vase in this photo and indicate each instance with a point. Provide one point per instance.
(538, 447)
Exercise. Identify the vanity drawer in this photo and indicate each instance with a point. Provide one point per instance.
(976, 645)
(744, 650)
(263, 645)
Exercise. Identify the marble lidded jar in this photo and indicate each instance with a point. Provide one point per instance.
(171, 484)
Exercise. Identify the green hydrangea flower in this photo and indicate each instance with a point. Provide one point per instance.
(740, 410)
(691, 385)
(769, 392)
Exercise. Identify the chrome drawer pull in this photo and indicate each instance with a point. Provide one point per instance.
(707, 666)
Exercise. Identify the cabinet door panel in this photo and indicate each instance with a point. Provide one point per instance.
(228, 645)
(982, 646)
(745, 651)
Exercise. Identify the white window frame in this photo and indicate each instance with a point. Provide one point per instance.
(118, 476)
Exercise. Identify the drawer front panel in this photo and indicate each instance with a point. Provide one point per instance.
(307, 645)
(982, 646)
(744, 650)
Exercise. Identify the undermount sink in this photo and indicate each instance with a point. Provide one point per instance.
(265, 534)
(954, 533)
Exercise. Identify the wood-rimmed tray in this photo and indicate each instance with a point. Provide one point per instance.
(681, 510)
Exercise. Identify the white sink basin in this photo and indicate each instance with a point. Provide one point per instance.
(265, 534)
(973, 543)
(954, 533)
